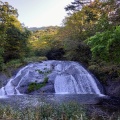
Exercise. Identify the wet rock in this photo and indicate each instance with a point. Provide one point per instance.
(113, 88)
(56, 77)
(23, 89)
(112, 102)
(48, 88)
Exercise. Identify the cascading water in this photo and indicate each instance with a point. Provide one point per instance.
(64, 76)
(75, 79)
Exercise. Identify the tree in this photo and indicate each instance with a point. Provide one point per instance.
(16, 43)
(6, 11)
(105, 45)
(44, 40)
(83, 23)
(13, 37)
(76, 5)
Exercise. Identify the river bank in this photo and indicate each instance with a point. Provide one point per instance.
(51, 106)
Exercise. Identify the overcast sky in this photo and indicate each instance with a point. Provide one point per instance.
(38, 13)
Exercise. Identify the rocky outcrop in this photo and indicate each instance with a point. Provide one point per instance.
(3, 79)
(113, 88)
(4, 76)
(53, 76)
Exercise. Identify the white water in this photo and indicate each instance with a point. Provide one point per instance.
(68, 78)
(79, 80)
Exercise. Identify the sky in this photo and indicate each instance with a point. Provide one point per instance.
(39, 13)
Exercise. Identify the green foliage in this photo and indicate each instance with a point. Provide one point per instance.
(98, 22)
(105, 70)
(19, 39)
(11, 65)
(16, 63)
(13, 46)
(35, 86)
(1, 59)
(84, 23)
(13, 37)
(1, 63)
(6, 11)
(27, 60)
(105, 45)
(42, 41)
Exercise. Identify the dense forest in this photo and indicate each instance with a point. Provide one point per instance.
(90, 35)
(13, 36)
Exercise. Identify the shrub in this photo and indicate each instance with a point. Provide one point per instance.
(35, 86)
(34, 59)
(1, 63)
(105, 46)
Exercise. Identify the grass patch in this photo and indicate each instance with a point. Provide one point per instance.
(70, 111)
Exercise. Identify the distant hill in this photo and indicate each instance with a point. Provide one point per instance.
(42, 28)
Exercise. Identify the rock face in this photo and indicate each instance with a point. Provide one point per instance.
(3, 79)
(59, 77)
(113, 88)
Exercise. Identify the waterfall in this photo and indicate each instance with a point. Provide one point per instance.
(75, 79)
(66, 77)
